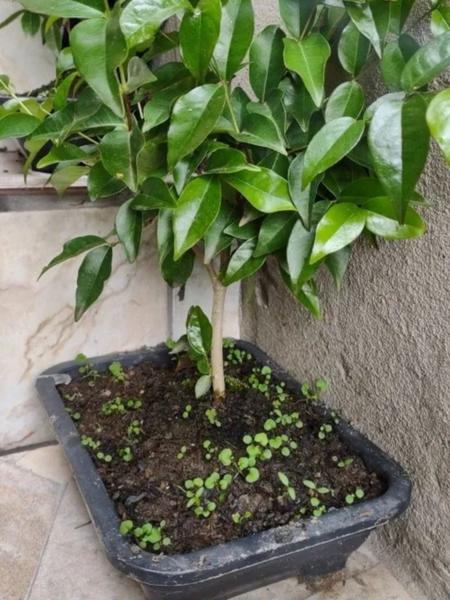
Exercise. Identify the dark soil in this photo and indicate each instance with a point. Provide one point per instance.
(149, 488)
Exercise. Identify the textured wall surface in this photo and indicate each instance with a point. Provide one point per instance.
(384, 344)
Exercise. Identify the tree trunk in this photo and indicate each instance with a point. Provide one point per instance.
(218, 377)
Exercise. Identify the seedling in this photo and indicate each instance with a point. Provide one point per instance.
(107, 458)
(211, 415)
(187, 411)
(116, 370)
(234, 384)
(120, 405)
(86, 369)
(74, 415)
(89, 442)
(147, 534)
(239, 519)
(226, 457)
(182, 453)
(344, 463)
(134, 430)
(314, 391)
(290, 491)
(235, 356)
(287, 419)
(126, 454)
(260, 379)
(72, 397)
(358, 494)
(325, 430)
(209, 448)
(195, 490)
(315, 491)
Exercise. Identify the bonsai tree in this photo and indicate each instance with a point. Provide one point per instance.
(294, 169)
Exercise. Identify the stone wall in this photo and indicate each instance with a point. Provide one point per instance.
(384, 344)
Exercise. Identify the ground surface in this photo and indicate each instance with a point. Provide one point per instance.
(49, 551)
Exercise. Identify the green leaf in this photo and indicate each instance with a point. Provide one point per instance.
(199, 331)
(102, 184)
(129, 230)
(308, 58)
(252, 475)
(64, 153)
(338, 228)
(398, 142)
(88, 43)
(116, 155)
(138, 74)
(438, 119)
(303, 199)
(115, 43)
(298, 16)
(199, 32)
(155, 193)
(73, 248)
(64, 177)
(284, 480)
(362, 17)
(382, 220)
(440, 20)
(242, 263)
(227, 160)
(266, 61)
(337, 264)
(92, 275)
(203, 386)
(427, 63)
(274, 233)
(197, 208)
(141, 19)
(260, 130)
(353, 50)
(215, 239)
(30, 23)
(236, 34)
(174, 272)
(298, 251)
(305, 294)
(395, 56)
(76, 9)
(16, 125)
(334, 141)
(264, 189)
(298, 103)
(347, 100)
(194, 117)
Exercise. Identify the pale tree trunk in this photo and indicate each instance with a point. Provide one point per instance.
(218, 377)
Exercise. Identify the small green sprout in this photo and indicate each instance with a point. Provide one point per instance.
(345, 463)
(151, 535)
(316, 490)
(235, 356)
(126, 527)
(87, 369)
(260, 379)
(126, 454)
(195, 490)
(211, 415)
(358, 494)
(314, 392)
(116, 370)
(74, 415)
(226, 457)
(182, 453)
(134, 430)
(107, 458)
(209, 448)
(252, 475)
(72, 397)
(325, 430)
(187, 411)
(239, 519)
(269, 425)
(289, 489)
(89, 442)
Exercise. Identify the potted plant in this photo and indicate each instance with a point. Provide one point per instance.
(206, 469)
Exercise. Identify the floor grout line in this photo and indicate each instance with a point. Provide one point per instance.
(29, 448)
(44, 548)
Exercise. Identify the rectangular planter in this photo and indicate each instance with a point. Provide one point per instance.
(310, 547)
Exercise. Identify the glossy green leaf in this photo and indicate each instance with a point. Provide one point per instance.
(242, 263)
(94, 271)
(260, 130)
(73, 248)
(199, 331)
(236, 34)
(194, 117)
(196, 209)
(353, 50)
(303, 199)
(361, 190)
(76, 9)
(117, 156)
(88, 43)
(63, 153)
(427, 63)
(337, 263)
(203, 386)
(115, 42)
(266, 61)
(274, 233)
(264, 189)
(155, 193)
(138, 74)
(199, 32)
(297, 16)
(297, 102)
(438, 119)
(15, 125)
(174, 272)
(334, 141)
(398, 142)
(102, 184)
(305, 294)
(30, 23)
(129, 230)
(382, 220)
(64, 177)
(363, 19)
(347, 100)
(298, 251)
(215, 240)
(141, 19)
(308, 58)
(158, 108)
(395, 56)
(339, 227)
(227, 160)
(440, 20)
(242, 231)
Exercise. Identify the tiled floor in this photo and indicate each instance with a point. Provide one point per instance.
(49, 551)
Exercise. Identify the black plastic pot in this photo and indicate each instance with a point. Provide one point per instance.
(311, 547)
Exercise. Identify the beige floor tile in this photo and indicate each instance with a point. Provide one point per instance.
(28, 505)
(74, 566)
(48, 462)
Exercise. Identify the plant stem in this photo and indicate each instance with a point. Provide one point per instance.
(218, 377)
(230, 106)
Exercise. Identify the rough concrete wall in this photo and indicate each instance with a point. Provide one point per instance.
(384, 346)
